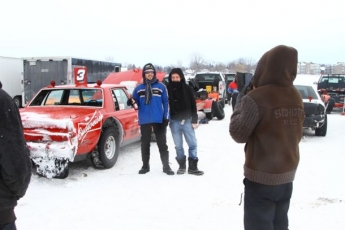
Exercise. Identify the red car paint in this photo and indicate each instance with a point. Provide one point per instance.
(70, 127)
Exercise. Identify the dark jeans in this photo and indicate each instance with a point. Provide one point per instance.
(160, 132)
(266, 206)
(9, 226)
(233, 100)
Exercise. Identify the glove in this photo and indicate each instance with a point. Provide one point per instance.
(129, 102)
(165, 122)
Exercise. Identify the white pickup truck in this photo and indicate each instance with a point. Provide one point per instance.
(217, 82)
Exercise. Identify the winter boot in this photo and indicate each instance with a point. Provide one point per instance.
(144, 169)
(193, 167)
(165, 162)
(182, 163)
(167, 170)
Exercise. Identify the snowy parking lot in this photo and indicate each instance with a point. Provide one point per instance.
(120, 198)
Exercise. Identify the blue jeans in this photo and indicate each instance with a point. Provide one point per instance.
(178, 130)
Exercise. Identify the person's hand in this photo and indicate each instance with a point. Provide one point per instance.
(195, 126)
(129, 102)
(165, 122)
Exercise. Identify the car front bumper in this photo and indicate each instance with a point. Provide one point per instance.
(314, 121)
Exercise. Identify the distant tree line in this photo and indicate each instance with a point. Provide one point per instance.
(198, 63)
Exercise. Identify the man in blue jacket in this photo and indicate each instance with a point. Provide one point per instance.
(15, 164)
(153, 107)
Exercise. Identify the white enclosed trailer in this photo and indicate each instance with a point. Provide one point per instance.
(11, 70)
(40, 71)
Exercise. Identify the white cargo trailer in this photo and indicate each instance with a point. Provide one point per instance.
(11, 70)
(40, 71)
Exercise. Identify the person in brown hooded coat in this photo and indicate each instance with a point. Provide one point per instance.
(269, 119)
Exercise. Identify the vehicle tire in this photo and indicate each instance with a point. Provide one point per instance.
(222, 101)
(108, 147)
(322, 131)
(209, 115)
(59, 171)
(18, 101)
(218, 110)
(62, 172)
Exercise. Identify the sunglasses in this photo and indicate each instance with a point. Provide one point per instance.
(147, 72)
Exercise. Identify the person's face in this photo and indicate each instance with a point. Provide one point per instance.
(149, 75)
(175, 77)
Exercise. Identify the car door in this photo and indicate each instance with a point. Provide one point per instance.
(127, 116)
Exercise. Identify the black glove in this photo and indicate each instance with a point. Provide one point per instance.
(165, 122)
(129, 102)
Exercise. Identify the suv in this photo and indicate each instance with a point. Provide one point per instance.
(335, 86)
(216, 81)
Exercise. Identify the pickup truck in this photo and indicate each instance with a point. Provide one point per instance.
(70, 123)
(335, 86)
(213, 82)
(207, 102)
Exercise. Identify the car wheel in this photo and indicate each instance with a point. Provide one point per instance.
(209, 115)
(322, 131)
(18, 101)
(218, 110)
(222, 101)
(52, 168)
(62, 168)
(108, 147)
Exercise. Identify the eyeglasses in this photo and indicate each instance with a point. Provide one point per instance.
(149, 72)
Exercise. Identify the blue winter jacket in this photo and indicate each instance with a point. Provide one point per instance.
(158, 109)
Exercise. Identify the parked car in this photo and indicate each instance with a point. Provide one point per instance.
(70, 123)
(334, 84)
(314, 109)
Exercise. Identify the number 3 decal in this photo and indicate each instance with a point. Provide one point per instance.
(81, 75)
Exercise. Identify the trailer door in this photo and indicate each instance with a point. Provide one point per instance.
(39, 74)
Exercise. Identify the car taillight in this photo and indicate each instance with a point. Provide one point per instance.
(220, 86)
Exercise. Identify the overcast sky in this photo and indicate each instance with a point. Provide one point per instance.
(167, 32)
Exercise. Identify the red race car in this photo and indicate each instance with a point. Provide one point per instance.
(69, 123)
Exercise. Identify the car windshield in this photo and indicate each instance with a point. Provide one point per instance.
(333, 79)
(56, 97)
(306, 91)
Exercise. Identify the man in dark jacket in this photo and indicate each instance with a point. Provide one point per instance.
(183, 121)
(15, 164)
(151, 98)
(269, 119)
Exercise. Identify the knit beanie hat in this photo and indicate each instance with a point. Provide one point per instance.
(149, 67)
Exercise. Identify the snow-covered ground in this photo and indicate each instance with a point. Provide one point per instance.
(121, 199)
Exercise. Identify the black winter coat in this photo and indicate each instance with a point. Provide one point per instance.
(15, 164)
